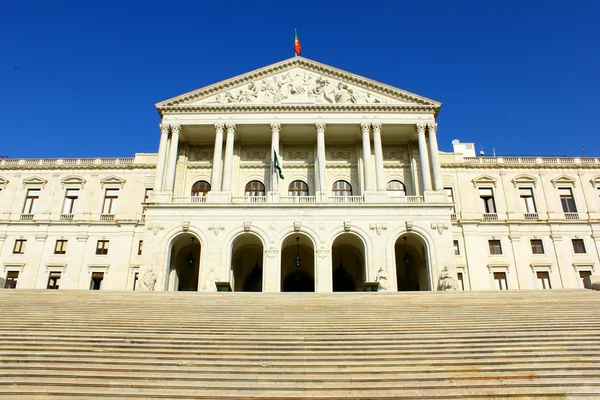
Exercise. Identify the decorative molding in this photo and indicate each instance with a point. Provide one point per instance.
(3, 183)
(379, 228)
(56, 268)
(215, 228)
(409, 225)
(439, 226)
(271, 253)
(341, 155)
(297, 155)
(523, 179)
(200, 154)
(255, 155)
(564, 180)
(34, 182)
(72, 181)
(347, 226)
(322, 226)
(247, 226)
(185, 226)
(155, 228)
(14, 267)
(112, 181)
(98, 267)
(272, 226)
(322, 253)
(483, 181)
(297, 226)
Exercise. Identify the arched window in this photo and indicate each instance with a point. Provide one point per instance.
(200, 188)
(342, 188)
(255, 188)
(396, 189)
(298, 188)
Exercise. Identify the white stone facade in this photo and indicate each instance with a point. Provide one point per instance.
(339, 217)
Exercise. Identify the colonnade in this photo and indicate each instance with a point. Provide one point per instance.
(221, 177)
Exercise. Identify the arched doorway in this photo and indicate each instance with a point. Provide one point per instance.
(348, 263)
(297, 264)
(184, 264)
(247, 263)
(412, 264)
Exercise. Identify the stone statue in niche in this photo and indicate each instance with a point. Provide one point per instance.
(382, 280)
(446, 282)
(209, 281)
(148, 280)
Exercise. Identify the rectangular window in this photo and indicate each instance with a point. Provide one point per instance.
(566, 200)
(140, 245)
(96, 282)
(495, 246)
(111, 196)
(500, 281)
(527, 202)
(19, 247)
(537, 246)
(456, 248)
(583, 275)
(136, 277)
(147, 194)
(53, 280)
(71, 197)
(61, 246)
(102, 247)
(543, 278)
(487, 200)
(578, 246)
(31, 201)
(11, 280)
(461, 282)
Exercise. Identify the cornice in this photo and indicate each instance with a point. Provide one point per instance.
(90, 167)
(519, 166)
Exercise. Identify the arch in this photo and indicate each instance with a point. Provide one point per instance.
(254, 188)
(349, 267)
(298, 263)
(524, 179)
(396, 188)
(298, 188)
(167, 243)
(247, 260)
(412, 262)
(341, 188)
(183, 263)
(200, 188)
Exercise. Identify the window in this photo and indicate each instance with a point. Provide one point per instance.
(543, 279)
(342, 188)
(298, 188)
(71, 196)
(136, 277)
(495, 246)
(487, 200)
(11, 280)
(396, 189)
(527, 202)
(578, 246)
(456, 248)
(110, 201)
(537, 246)
(255, 189)
(147, 194)
(19, 247)
(31, 201)
(96, 282)
(460, 281)
(53, 280)
(140, 245)
(61, 246)
(584, 274)
(200, 189)
(450, 197)
(102, 247)
(567, 200)
(500, 281)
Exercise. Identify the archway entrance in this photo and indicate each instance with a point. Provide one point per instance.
(412, 270)
(247, 263)
(348, 263)
(297, 264)
(184, 264)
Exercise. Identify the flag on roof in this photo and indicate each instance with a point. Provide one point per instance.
(297, 46)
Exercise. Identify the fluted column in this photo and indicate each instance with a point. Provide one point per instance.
(436, 170)
(215, 179)
(227, 167)
(377, 149)
(162, 157)
(366, 148)
(424, 157)
(321, 155)
(275, 129)
(172, 163)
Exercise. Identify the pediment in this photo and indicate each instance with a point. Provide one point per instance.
(524, 180)
(563, 180)
(3, 182)
(484, 180)
(298, 82)
(593, 181)
(113, 181)
(34, 181)
(72, 180)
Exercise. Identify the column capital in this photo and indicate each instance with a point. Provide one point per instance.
(230, 127)
(219, 127)
(420, 128)
(365, 126)
(164, 128)
(432, 127)
(320, 126)
(176, 129)
(376, 126)
(275, 126)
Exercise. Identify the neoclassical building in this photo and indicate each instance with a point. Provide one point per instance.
(299, 177)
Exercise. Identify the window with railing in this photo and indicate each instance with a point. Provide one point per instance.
(254, 189)
(31, 200)
(298, 189)
(527, 200)
(200, 189)
(488, 204)
(111, 197)
(396, 189)
(567, 200)
(341, 189)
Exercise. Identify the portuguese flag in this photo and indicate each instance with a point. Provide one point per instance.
(297, 46)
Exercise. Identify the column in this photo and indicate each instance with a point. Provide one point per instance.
(424, 158)
(377, 148)
(435, 157)
(366, 150)
(215, 179)
(275, 128)
(162, 156)
(321, 155)
(172, 160)
(228, 157)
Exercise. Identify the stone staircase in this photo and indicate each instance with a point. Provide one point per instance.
(450, 345)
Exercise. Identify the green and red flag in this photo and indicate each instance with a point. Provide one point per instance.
(297, 46)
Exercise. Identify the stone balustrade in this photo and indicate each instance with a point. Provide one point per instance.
(65, 161)
(533, 160)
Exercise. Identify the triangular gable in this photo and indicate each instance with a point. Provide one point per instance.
(524, 180)
(484, 180)
(72, 180)
(34, 181)
(297, 81)
(112, 181)
(564, 180)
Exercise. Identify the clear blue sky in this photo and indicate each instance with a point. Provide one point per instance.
(80, 78)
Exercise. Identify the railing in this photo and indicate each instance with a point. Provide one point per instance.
(298, 199)
(66, 217)
(532, 160)
(490, 217)
(107, 217)
(345, 199)
(405, 199)
(571, 215)
(67, 161)
(532, 216)
(189, 199)
(26, 217)
(248, 199)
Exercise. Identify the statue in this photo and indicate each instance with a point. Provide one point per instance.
(209, 281)
(446, 282)
(148, 280)
(382, 279)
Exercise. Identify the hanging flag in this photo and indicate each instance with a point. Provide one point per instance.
(276, 164)
(297, 46)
